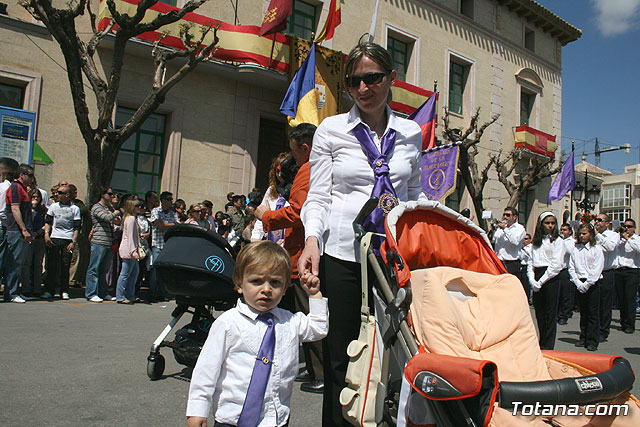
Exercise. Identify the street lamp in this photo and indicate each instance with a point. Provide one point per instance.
(591, 195)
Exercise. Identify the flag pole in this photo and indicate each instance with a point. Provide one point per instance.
(273, 44)
(435, 93)
(571, 208)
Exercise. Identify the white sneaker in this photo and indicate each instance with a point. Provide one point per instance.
(109, 298)
(65, 295)
(46, 295)
(18, 299)
(95, 298)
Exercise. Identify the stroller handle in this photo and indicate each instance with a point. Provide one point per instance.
(599, 387)
(367, 208)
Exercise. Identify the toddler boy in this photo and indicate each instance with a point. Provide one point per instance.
(248, 364)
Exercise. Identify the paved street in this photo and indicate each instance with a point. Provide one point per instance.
(72, 363)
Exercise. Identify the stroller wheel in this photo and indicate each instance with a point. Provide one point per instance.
(155, 366)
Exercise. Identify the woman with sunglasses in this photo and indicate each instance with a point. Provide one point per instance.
(366, 152)
(274, 200)
(195, 216)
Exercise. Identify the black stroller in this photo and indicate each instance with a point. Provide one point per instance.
(197, 267)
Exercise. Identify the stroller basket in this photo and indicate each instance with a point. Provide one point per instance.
(196, 263)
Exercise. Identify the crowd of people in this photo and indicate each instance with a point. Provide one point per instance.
(592, 269)
(51, 241)
(306, 213)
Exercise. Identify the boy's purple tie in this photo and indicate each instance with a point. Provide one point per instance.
(252, 407)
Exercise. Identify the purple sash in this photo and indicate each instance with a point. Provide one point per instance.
(276, 235)
(382, 187)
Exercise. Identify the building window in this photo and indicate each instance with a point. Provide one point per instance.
(139, 164)
(616, 196)
(620, 215)
(529, 39)
(527, 101)
(466, 8)
(523, 208)
(302, 22)
(399, 51)
(457, 83)
(11, 96)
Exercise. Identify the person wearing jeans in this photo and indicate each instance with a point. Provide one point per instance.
(103, 217)
(19, 225)
(128, 250)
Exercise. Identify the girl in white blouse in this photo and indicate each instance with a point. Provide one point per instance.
(270, 198)
(547, 253)
(585, 269)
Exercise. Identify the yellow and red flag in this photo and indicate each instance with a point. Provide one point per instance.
(275, 20)
(535, 141)
(333, 20)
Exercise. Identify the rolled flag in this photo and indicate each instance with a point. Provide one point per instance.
(564, 182)
(425, 116)
(334, 17)
(300, 102)
(275, 19)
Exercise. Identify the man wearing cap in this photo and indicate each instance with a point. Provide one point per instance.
(628, 275)
(608, 240)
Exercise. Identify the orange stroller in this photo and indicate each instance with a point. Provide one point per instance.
(455, 343)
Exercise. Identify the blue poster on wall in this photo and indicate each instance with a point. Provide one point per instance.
(16, 134)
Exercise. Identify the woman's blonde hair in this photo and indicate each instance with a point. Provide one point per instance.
(130, 208)
(273, 173)
(266, 256)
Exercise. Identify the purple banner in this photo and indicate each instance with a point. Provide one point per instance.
(439, 172)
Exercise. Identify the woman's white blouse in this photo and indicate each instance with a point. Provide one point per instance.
(549, 254)
(270, 200)
(587, 262)
(342, 180)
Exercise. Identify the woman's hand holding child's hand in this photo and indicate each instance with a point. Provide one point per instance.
(311, 285)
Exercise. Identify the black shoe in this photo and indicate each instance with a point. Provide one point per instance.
(304, 376)
(562, 321)
(591, 347)
(628, 330)
(580, 344)
(316, 386)
(602, 339)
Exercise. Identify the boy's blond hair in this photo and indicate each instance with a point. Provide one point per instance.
(264, 254)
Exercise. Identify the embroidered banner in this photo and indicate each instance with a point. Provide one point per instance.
(439, 173)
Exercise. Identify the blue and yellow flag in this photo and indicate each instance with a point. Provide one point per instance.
(300, 102)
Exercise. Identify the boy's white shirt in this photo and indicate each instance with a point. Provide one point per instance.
(223, 371)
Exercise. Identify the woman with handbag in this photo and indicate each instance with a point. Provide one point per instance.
(366, 152)
(125, 292)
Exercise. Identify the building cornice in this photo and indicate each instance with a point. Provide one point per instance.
(544, 19)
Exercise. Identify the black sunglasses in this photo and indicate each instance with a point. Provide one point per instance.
(30, 175)
(628, 226)
(598, 220)
(109, 193)
(368, 79)
(62, 192)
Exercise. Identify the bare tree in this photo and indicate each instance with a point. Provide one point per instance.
(474, 178)
(102, 139)
(517, 177)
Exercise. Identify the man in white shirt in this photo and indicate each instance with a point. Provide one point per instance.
(508, 239)
(62, 225)
(8, 167)
(608, 240)
(628, 275)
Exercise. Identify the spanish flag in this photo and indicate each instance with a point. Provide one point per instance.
(333, 20)
(300, 102)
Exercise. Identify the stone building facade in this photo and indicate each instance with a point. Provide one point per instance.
(219, 128)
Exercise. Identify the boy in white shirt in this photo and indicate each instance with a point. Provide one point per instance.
(227, 372)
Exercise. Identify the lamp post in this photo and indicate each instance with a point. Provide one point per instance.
(586, 198)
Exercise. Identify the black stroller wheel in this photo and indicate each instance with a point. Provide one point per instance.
(155, 367)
